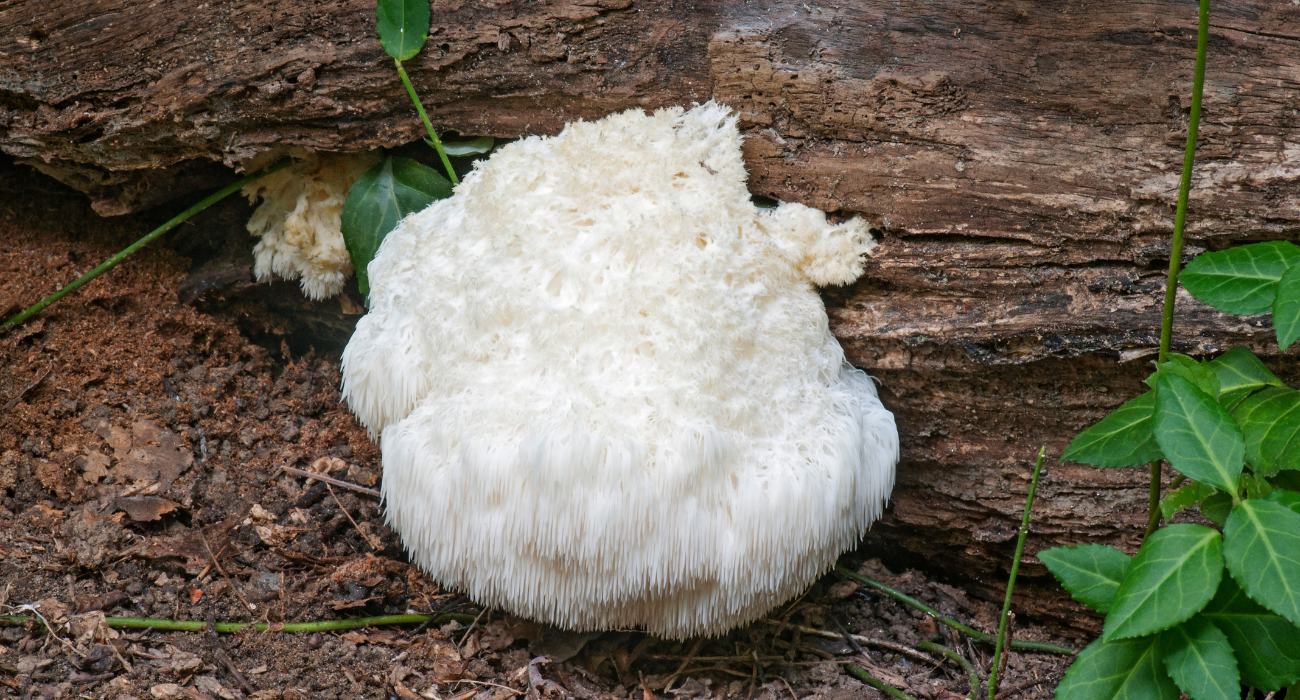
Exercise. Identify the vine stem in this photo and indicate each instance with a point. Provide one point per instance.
(1000, 646)
(433, 136)
(1180, 221)
(967, 630)
(958, 659)
(862, 675)
(232, 627)
(148, 238)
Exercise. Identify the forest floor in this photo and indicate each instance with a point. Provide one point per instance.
(142, 441)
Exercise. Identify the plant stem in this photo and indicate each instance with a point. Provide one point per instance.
(862, 675)
(964, 629)
(959, 660)
(1000, 647)
(433, 136)
(231, 627)
(1185, 185)
(1180, 221)
(1153, 518)
(113, 261)
(1153, 501)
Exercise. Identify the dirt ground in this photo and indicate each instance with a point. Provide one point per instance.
(142, 434)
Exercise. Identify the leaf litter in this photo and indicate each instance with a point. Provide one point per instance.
(140, 476)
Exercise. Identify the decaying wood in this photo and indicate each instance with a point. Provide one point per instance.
(1021, 157)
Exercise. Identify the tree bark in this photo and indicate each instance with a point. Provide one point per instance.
(1022, 159)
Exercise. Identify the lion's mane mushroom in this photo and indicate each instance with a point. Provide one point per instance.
(606, 388)
(299, 221)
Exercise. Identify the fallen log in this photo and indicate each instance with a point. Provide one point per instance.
(1020, 158)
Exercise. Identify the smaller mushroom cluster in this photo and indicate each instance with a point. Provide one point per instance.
(299, 221)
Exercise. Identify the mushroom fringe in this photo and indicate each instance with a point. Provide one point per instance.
(606, 387)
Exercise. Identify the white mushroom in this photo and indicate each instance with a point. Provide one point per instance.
(606, 388)
(299, 218)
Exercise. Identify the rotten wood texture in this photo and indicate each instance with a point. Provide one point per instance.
(1022, 158)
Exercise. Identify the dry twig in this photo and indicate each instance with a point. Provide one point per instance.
(331, 480)
(217, 563)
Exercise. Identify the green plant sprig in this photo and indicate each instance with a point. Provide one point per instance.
(1201, 610)
(957, 658)
(1176, 244)
(146, 240)
(862, 675)
(967, 630)
(233, 627)
(398, 187)
(1000, 645)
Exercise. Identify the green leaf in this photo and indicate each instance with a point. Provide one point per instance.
(1121, 439)
(1267, 647)
(1286, 308)
(1217, 507)
(1196, 435)
(1255, 486)
(1288, 479)
(1270, 424)
(1172, 577)
(473, 147)
(1290, 499)
(1125, 669)
(1261, 546)
(1240, 373)
(385, 195)
(1240, 280)
(1199, 658)
(1190, 494)
(1091, 572)
(1199, 373)
(403, 26)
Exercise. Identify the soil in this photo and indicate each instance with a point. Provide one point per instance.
(141, 444)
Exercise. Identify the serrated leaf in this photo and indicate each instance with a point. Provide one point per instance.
(1288, 479)
(1286, 308)
(1199, 659)
(473, 147)
(1217, 507)
(1290, 499)
(403, 26)
(1091, 572)
(1240, 373)
(1125, 669)
(385, 195)
(1267, 646)
(1190, 494)
(1270, 425)
(1255, 486)
(1240, 280)
(1173, 575)
(1261, 546)
(1199, 373)
(1121, 439)
(1197, 436)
